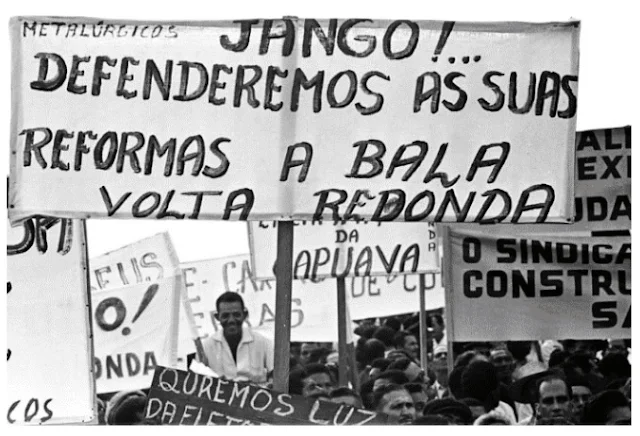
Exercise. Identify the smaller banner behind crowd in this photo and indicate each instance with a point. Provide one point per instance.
(143, 263)
(344, 249)
(313, 306)
(135, 329)
(537, 287)
(187, 398)
(49, 350)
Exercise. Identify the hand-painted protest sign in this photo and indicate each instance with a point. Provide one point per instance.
(336, 249)
(135, 329)
(313, 305)
(145, 261)
(536, 287)
(313, 119)
(372, 297)
(49, 355)
(187, 398)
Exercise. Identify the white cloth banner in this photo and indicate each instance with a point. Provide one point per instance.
(519, 287)
(336, 249)
(373, 297)
(313, 307)
(317, 119)
(135, 329)
(49, 354)
(145, 261)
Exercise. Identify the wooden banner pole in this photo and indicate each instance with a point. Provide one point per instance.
(343, 357)
(284, 281)
(423, 325)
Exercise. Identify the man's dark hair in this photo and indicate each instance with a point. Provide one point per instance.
(455, 382)
(414, 388)
(549, 378)
(463, 359)
(615, 365)
(395, 376)
(385, 335)
(365, 331)
(519, 349)
(296, 377)
(378, 394)
(400, 337)
(371, 350)
(400, 364)
(365, 390)
(451, 409)
(229, 297)
(596, 411)
(431, 420)
(557, 358)
(393, 323)
(343, 392)
(129, 412)
(382, 364)
(480, 381)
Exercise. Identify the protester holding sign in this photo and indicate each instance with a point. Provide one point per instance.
(237, 352)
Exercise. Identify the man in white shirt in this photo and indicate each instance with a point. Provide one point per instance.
(236, 352)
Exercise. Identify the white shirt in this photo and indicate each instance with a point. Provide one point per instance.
(254, 358)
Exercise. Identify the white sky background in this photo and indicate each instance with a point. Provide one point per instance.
(605, 94)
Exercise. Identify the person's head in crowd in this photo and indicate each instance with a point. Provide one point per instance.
(468, 357)
(504, 363)
(378, 366)
(390, 376)
(372, 349)
(318, 355)
(306, 350)
(418, 394)
(553, 400)
(408, 343)
(394, 400)
(385, 335)
(455, 382)
(312, 378)
(475, 406)
(615, 366)
(607, 408)
(480, 381)
(344, 395)
(519, 350)
(557, 358)
(435, 323)
(492, 418)
(396, 354)
(440, 353)
(580, 396)
(578, 347)
(365, 331)
(482, 348)
(126, 408)
(393, 323)
(617, 346)
(231, 313)
(455, 411)
(412, 370)
(366, 394)
(101, 410)
(431, 420)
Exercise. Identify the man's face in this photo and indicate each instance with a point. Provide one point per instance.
(504, 363)
(414, 373)
(580, 395)
(554, 400)
(305, 352)
(419, 401)
(399, 404)
(315, 383)
(231, 316)
(349, 400)
(411, 346)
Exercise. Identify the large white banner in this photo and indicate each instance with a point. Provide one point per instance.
(135, 329)
(314, 308)
(49, 354)
(145, 261)
(537, 287)
(373, 297)
(294, 119)
(336, 249)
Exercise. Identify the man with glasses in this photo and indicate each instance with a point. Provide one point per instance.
(236, 352)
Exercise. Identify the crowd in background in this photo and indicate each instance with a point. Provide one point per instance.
(507, 383)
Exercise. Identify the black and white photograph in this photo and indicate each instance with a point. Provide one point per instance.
(335, 213)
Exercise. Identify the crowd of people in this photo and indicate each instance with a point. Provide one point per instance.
(508, 383)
